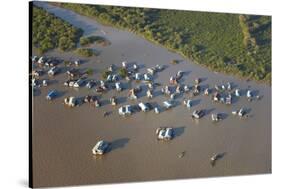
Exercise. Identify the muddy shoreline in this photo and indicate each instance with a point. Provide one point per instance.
(63, 137)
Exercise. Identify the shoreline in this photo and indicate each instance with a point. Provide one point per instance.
(269, 83)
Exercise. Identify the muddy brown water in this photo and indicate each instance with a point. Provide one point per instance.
(63, 137)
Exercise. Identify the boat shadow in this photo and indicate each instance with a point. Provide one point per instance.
(125, 85)
(121, 100)
(195, 102)
(52, 82)
(118, 144)
(156, 105)
(142, 93)
(255, 92)
(184, 76)
(36, 92)
(233, 85)
(203, 79)
(141, 66)
(61, 94)
(178, 131)
(223, 116)
(204, 87)
(165, 66)
(157, 93)
(105, 102)
(80, 100)
(243, 92)
(208, 111)
(248, 112)
(176, 103)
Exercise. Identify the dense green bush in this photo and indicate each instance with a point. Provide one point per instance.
(85, 41)
(89, 71)
(93, 40)
(123, 72)
(105, 74)
(66, 44)
(86, 52)
(49, 32)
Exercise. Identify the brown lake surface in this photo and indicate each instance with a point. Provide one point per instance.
(63, 137)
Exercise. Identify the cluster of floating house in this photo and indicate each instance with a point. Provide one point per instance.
(222, 94)
(49, 64)
(75, 79)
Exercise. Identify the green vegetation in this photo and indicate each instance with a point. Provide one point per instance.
(49, 32)
(93, 40)
(85, 52)
(229, 43)
(174, 61)
(85, 41)
(66, 63)
(89, 71)
(123, 72)
(105, 74)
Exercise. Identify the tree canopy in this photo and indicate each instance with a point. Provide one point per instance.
(49, 32)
